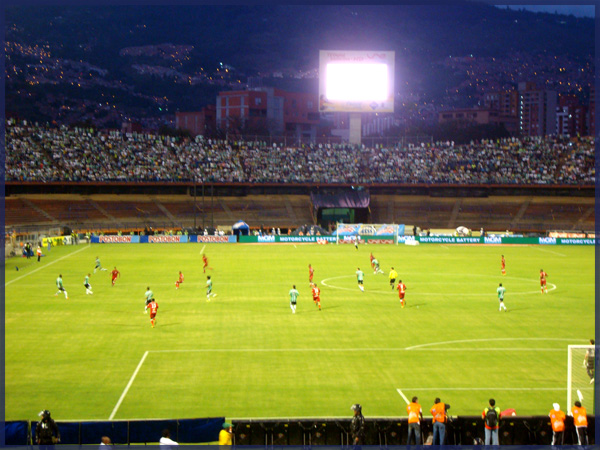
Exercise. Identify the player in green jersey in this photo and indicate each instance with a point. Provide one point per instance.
(209, 286)
(61, 288)
(501, 290)
(86, 283)
(293, 298)
(360, 276)
(149, 296)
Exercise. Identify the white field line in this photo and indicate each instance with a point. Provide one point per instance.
(491, 389)
(137, 369)
(46, 265)
(547, 251)
(386, 349)
(489, 340)
(403, 396)
(202, 251)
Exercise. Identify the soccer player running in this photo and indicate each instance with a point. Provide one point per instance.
(61, 288)
(149, 297)
(205, 260)
(293, 298)
(501, 290)
(86, 283)
(360, 276)
(371, 257)
(316, 293)
(543, 276)
(209, 286)
(98, 265)
(179, 280)
(153, 309)
(375, 264)
(503, 265)
(311, 274)
(401, 291)
(393, 276)
(114, 274)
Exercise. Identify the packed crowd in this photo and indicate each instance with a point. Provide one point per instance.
(60, 154)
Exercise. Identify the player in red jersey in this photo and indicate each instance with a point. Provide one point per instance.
(316, 293)
(311, 273)
(503, 265)
(153, 309)
(543, 276)
(372, 258)
(401, 288)
(205, 259)
(179, 281)
(114, 274)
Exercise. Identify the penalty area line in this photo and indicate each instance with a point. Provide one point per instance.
(403, 396)
(137, 369)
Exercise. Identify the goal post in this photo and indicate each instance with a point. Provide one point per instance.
(581, 367)
(351, 232)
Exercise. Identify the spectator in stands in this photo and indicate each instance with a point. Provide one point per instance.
(440, 417)
(166, 439)
(357, 426)
(225, 435)
(46, 431)
(105, 441)
(491, 421)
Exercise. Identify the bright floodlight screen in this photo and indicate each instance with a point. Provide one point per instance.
(356, 82)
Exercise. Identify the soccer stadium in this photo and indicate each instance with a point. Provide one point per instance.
(258, 291)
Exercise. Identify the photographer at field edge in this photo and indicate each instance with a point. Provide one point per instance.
(46, 431)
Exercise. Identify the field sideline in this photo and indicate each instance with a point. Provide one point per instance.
(244, 354)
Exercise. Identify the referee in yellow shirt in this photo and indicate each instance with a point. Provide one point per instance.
(393, 276)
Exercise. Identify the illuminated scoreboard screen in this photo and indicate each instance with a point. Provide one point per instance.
(356, 81)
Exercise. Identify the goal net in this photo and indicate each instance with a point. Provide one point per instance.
(580, 376)
(349, 233)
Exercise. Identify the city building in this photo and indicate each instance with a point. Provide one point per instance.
(536, 111)
(571, 117)
(198, 123)
(268, 110)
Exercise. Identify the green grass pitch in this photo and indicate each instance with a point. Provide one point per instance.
(244, 354)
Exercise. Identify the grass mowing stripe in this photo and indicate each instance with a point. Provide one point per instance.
(137, 369)
(46, 265)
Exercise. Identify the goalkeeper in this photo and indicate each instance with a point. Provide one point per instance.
(588, 361)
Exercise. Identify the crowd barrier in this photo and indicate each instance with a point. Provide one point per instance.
(530, 430)
(120, 432)
(497, 240)
(461, 430)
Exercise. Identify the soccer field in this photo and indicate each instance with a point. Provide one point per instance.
(244, 354)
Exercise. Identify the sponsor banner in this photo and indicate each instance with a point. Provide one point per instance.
(304, 238)
(115, 239)
(213, 239)
(57, 240)
(492, 240)
(266, 238)
(547, 241)
(163, 239)
(564, 234)
(405, 239)
(380, 241)
(369, 229)
(449, 240)
(569, 241)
